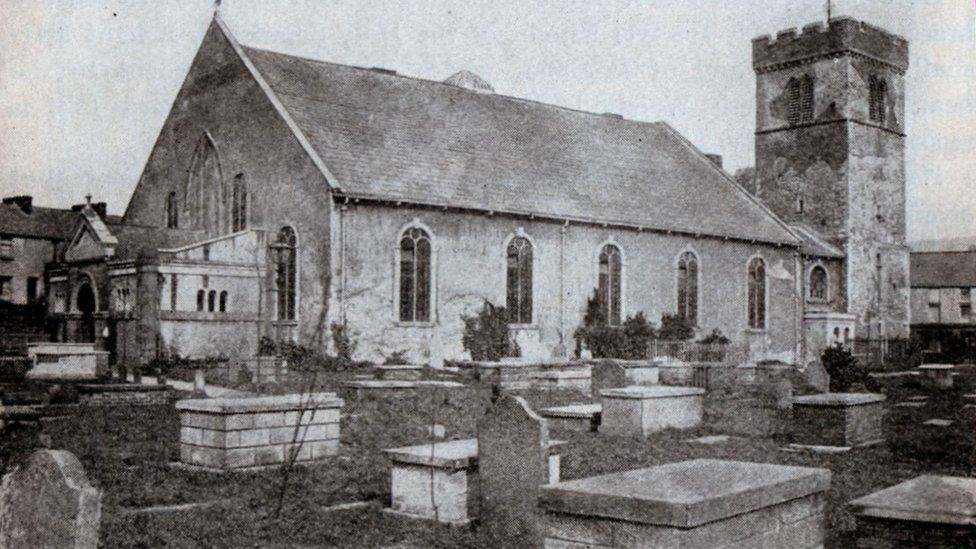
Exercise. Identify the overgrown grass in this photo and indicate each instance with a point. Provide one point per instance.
(127, 450)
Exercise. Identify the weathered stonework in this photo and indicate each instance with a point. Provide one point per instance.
(838, 419)
(244, 433)
(843, 173)
(699, 503)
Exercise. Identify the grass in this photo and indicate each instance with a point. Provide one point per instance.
(127, 450)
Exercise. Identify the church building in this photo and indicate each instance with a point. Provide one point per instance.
(285, 195)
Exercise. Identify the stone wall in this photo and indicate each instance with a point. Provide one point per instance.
(221, 100)
(564, 276)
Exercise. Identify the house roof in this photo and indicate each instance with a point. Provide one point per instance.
(943, 269)
(389, 137)
(814, 244)
(46, 223)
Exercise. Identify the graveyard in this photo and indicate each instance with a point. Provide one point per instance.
(402, 456)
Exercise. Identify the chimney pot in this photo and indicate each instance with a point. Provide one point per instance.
(25, 202)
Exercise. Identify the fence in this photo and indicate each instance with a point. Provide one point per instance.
(669, 351)
(888, 354)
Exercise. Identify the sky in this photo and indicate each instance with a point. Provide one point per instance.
(85, 85)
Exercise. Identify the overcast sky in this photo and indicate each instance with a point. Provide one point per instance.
(86, 84)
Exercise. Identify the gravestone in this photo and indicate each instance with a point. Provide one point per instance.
(815, 377)
(513, 462)
(608, 374)
(49, 503)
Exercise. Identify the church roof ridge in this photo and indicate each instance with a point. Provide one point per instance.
(406, 139)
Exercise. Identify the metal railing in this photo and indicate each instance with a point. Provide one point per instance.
(694, 352)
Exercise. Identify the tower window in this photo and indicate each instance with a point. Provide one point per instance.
(238, 207)
(800, 91)
(818, 283)
(878, 91)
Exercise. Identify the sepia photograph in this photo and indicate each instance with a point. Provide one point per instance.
(411, 274)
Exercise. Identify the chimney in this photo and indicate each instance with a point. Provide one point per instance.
(99, 208)
(25, 202)
(715, 158)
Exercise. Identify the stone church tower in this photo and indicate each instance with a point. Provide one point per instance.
(830, 155)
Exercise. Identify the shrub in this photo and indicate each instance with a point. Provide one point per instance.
(843, 369)
(628, 341)
(397, 358)
(486, 335)
(674, 327)
(714, 338)
(342, 342)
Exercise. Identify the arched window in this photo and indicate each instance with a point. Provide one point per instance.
(212, 300)
(800, 93)
(688, 287)
(238, 206)
(609, 283)
(519, 281)
(204, 196)
(172, 213)
(200, 297)
(878, 92)
(757, 294)
(223, 301)
(286, 250)
(818, 283)
(415, 275)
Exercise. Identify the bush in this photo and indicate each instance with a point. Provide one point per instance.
(628, 341)
(397, 358)
(675, 328)
(843, 369)
(714, 338)
(486, 335)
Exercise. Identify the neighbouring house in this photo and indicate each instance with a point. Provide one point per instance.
(286, 194)
(942, 302)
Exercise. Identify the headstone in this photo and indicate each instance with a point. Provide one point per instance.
(816, 377)
(513, 462)
(49, 503)
(199, 381)
(608, 374)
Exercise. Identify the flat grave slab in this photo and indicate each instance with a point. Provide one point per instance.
(910, 405)
(642, 410)
(938, 422)
(573, 417)
(838, 419)
(407, 372)
(699, 503)
(711, 439)
(927, 511)
(917, 398)
(247, 433)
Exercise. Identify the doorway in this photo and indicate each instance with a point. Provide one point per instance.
(86, 305)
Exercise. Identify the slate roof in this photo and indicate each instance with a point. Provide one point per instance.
(814, 244)
(943, 269)
(46, 223)
(396, 138)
